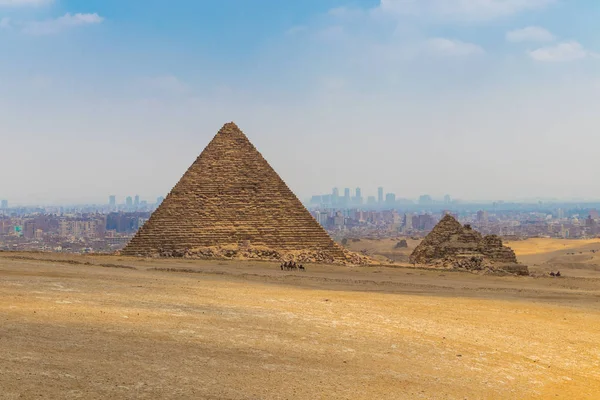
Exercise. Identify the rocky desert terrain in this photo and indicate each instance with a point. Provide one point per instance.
(104, 327)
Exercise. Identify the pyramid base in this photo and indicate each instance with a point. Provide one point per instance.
(260, 253)
(479, 264)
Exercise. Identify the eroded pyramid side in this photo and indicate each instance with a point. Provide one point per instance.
(452, 245)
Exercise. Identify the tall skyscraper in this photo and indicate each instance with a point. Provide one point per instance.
(380, 195)
(129, 202)
(447, 199)
(335, 196)
(112, 201)
(4, 204)
(136, 202)
(359, 198)
(347, 195)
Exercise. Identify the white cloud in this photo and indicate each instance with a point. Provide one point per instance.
(529, 34)
(566, 51)
(474, 10)
(57, 25)
(451, 47)
(5, 23)
(18, 3)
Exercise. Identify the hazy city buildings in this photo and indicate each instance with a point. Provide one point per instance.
(390, 200)
(425, 200)
(358, 200)
(482, 216)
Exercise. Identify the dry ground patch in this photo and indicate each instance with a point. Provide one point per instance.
(249, 331)
(546, 245)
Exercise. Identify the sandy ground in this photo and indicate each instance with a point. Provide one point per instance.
(541, 246)
(79, 327)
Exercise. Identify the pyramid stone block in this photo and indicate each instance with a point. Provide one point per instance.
(232, 198)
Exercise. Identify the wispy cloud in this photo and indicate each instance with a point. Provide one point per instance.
(19, 3)
(562, 52)
(67, 21)
(452, 47)
(474, 10)
(529, 34)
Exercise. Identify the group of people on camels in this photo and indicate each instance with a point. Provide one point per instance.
(291, 266)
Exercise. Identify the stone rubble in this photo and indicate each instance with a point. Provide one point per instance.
(453, 246)
(233, 252)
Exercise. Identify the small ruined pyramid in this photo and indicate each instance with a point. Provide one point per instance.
(450, 244)
(232, 199)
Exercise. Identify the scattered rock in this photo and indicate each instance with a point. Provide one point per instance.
(401, 244)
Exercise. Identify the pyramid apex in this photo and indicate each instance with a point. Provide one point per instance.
(448, 218)
(229, 128)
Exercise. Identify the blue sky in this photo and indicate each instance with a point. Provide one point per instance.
(482, 99)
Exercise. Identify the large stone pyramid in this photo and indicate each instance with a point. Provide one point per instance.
(229, 201)
(452, 245)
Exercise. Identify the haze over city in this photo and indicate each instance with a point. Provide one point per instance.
(484, 100)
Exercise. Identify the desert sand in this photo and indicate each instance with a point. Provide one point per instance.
(114, 327)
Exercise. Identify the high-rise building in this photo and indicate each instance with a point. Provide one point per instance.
(358, 199)
(380, 195)
(390, 199)
(4, 204)
(425, 200)
(129, 202)
(560, 213)
(136, 202)
(335, 196)
(447, 199)
(347, 195)
(482, 216)
(112, 201)
(408, 221)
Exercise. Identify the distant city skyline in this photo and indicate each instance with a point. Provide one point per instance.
(438, 199)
